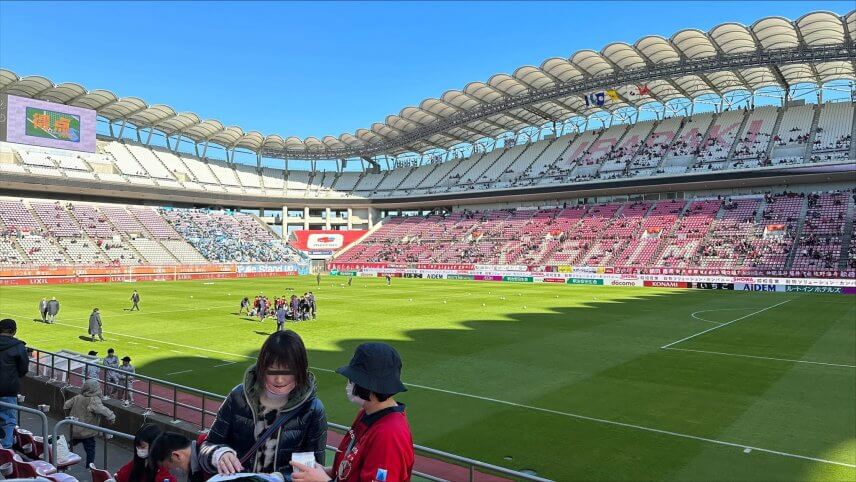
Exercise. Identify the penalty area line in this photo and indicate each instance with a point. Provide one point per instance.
(810, 362)
(724, 324)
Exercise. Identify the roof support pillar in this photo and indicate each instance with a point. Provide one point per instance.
(177, 143)
(122, 129)
(204, 149)
(149, 137)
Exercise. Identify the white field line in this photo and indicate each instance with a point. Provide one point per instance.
(176, 373)
(534, 408)
(637, 427)
(766, 358)
(724, 324)
(718, 309)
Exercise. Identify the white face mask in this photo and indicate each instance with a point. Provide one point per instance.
(142, 453)
(349, 392)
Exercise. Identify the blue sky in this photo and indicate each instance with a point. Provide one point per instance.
(326, 68)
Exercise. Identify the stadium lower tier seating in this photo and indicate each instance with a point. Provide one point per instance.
(782, 234)
(35, 232)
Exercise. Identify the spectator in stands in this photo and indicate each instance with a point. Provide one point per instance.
(111, 361)
(274, 413)
(138, 470)
(87, 408)
(126, 380)
(95, 324)
(91, 370)
(53, 309)
(43, 309)
(179, 455)
(379, 445)
(14, 364)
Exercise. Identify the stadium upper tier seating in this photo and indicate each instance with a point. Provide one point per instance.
(704, 143)
(783, 234)
(34, 232)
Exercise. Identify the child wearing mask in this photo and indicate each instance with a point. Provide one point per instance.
(137, 470)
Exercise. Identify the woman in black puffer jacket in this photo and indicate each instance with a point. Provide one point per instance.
(279, 384)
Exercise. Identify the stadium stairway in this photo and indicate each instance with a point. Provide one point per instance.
(793, 252)
(847, 238)
(740, 133)
(780, 113)
(812, 133)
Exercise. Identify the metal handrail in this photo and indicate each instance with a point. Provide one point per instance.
(466, 462)
(41, 414)
(76, 422)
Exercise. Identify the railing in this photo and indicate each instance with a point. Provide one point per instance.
(41, 415)
(71, 421)
(153, 390)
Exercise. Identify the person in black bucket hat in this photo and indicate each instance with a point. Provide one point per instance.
(379, 446)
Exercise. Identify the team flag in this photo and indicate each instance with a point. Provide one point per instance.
(596, 99)
(613, 94)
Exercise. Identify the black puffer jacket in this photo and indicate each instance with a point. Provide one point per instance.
(13, 365)
(306, 431)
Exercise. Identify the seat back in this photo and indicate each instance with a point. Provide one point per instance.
(99, 475)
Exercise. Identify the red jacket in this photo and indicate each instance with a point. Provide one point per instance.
(124, 474)
(377, 448)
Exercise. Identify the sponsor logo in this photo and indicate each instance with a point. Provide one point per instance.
(617, 282)
(325, 241)
(435, 276)
(759, 287)
(666, 284)
(584, 281)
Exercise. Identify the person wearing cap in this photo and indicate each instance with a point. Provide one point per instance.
(379, 446)
(135, 299)
(111, 361)
(95, 324)
(126, 380)
(91, 370)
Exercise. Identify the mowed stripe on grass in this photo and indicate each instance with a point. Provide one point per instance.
(584, 352)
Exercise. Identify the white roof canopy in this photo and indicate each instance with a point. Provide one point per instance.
(774, 51)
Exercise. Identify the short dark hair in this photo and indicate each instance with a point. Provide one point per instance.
(165, 444)
(284, 348)
(8, 325)
(365, 394)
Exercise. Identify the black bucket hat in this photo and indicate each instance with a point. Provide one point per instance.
(376, 367)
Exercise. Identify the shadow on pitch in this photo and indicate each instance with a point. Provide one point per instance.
(598, 358)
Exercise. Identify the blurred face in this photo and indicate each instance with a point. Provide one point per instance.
(279, 380)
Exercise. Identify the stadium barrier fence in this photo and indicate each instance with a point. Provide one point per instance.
(39, 413)
(175, 400)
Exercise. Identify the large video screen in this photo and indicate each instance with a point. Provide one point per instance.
(40, 123)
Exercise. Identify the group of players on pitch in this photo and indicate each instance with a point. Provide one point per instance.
(296, 308)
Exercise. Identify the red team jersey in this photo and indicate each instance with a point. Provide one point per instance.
(377, 448)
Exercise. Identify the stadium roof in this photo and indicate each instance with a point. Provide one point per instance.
(774, 51)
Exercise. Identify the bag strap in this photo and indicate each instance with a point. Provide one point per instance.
(267, 434)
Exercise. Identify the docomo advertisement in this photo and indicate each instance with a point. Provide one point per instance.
(47, 124)
(324, 242)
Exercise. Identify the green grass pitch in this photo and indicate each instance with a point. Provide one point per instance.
(569, 381)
